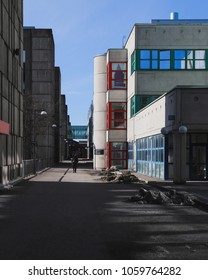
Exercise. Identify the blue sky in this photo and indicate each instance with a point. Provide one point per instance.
(83, 29)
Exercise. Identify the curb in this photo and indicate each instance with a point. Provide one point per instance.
(198, 202)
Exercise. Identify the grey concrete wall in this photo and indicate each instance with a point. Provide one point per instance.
(11, 111)
(39, 91)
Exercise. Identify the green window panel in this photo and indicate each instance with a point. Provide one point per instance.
(179, 59)
(140, 101)
(133, 61)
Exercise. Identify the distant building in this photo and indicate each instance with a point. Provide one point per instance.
(156, 58)
(11, 99)
(79, 135)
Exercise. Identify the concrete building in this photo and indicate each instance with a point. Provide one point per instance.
(160, 56)
(11, 99)
(45, 121)
(172, 135)
(64, 129)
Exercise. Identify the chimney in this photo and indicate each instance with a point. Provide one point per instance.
(174, 16)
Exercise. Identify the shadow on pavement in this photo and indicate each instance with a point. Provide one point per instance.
(73, 221)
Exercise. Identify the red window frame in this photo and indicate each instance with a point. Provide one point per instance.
(116, 117)
(112, 160)
(118, 76)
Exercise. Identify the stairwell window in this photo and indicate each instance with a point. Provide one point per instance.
(117, 75)
(116, 118)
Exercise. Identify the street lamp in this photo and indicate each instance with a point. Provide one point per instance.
(41, 113)
(49, 144)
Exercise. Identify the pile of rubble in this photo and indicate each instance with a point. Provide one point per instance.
(114, 175)
(158, 197)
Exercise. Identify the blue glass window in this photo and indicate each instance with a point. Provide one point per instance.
(169, 60)
(150, 156)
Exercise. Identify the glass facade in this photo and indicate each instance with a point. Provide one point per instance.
(79, 131)
(182, 59)
(130, 155)
(150, 156)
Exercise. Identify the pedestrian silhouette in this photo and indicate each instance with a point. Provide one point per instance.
(74, 163)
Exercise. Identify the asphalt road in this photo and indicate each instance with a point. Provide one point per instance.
(54, 219)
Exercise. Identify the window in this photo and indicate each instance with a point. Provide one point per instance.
(164, 59)
(116, 118)
(117, 75)
(145, 59)
(133, 61)
(150, 156)
(133, 106)
(140, 101)
(169, 60)
(200, 59)
(117, 154)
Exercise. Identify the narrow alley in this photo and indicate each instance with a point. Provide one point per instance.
(61, 215)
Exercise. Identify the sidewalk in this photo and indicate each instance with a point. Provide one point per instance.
(82, 176)
(64, 174)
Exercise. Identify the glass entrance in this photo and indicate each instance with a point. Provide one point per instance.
(198, 164)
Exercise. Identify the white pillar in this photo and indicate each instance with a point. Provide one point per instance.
(100, 88)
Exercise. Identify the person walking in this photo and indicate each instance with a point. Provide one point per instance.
(74, 163)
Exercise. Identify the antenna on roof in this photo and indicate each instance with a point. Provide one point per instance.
(123, 39)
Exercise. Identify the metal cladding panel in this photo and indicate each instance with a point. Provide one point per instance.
(116, 96)
(4, 128)
(116, 136)
(117, 55)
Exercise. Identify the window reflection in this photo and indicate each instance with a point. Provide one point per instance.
(164, 64)
(144, 54)
(117, 75)
(172, 59)
(117, 115)
(119, 66)
(145, 64)
(164, 55)
(150, 156)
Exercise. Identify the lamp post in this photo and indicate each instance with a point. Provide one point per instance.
(35, 113)
(49, 146)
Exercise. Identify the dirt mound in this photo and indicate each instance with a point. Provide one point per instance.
(159, 197)
(116, 176)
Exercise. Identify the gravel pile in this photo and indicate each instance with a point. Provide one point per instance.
(114, 175)
(158, 197)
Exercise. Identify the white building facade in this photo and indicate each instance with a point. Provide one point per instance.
(158, 57)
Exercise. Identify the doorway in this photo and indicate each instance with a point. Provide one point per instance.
(198, 162)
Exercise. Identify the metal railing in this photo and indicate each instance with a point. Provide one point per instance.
(31, 166)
